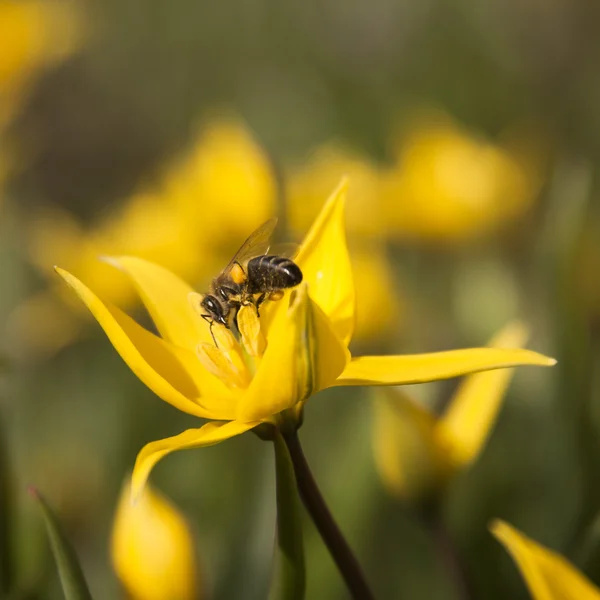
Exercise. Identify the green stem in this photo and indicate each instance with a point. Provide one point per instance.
(290, 579)
(6, 515)
(323, 519)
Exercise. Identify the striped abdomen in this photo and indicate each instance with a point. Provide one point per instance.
(270, 273)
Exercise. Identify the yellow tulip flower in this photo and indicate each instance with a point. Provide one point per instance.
(450, 185)
(445, 184)
(152, 548)
(548, 575)
(416, 452)
(297, 348)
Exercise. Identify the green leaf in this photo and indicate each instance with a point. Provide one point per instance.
(71, 576)
(290, 575)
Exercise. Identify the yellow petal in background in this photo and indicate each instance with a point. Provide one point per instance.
(420, 368)
(147, 355)
(152, 548)
(473, 410)
(548, 575)
(34, 35)
(166, 298)
(312, 180)
(208, 435)
(325, 264)
(410, 458)
(380, 305)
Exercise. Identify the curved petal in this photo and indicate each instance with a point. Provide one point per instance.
(147, 355)
(165, 296)
(207, 435)
(325, 264)
(474, 407)
(420, 368)
(548, 575)
(303, 355)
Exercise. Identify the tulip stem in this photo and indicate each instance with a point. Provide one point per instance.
(323, 519)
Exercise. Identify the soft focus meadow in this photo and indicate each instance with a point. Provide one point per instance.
(469, 134)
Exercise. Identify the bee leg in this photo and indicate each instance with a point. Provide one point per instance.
(210, 327)
(235, 319)
(259, 301)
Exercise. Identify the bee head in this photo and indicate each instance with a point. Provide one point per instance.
(214, 309)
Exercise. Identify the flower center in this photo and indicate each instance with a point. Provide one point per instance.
(233, 361)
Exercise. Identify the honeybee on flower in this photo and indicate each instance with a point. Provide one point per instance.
(251, 278)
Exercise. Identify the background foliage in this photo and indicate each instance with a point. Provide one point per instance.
(471, 135)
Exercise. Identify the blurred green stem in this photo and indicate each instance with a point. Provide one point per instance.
(290, 577)
(325, 523)
(432, 519)
(69, 570)
(6, 515)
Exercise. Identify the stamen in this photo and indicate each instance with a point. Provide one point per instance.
(222, 364)
(250, 331)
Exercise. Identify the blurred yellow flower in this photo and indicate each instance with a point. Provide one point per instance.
(307, 184)
(449, 185)
(415, 452)
(34, 34)
(299, 346)
(445, 184)
(221, 189)
(379, 307)
(152, 548)
(548, 575)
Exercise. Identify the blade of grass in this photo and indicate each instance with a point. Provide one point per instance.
(70, 572)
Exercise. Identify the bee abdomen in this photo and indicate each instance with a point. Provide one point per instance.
(267, 273)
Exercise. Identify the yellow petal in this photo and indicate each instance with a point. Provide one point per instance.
(284, 368)
(408, 455)
(475, 405)
(329, 356)
(302, 356)
(548, 575)
(420, 368)
(166, 299)
(147, 355)
(152, 548)
(208, 435)
(325, 264)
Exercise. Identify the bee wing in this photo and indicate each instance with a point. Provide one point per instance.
(287, 249)
(257, 243)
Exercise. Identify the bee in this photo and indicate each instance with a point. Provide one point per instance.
(251, 278)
